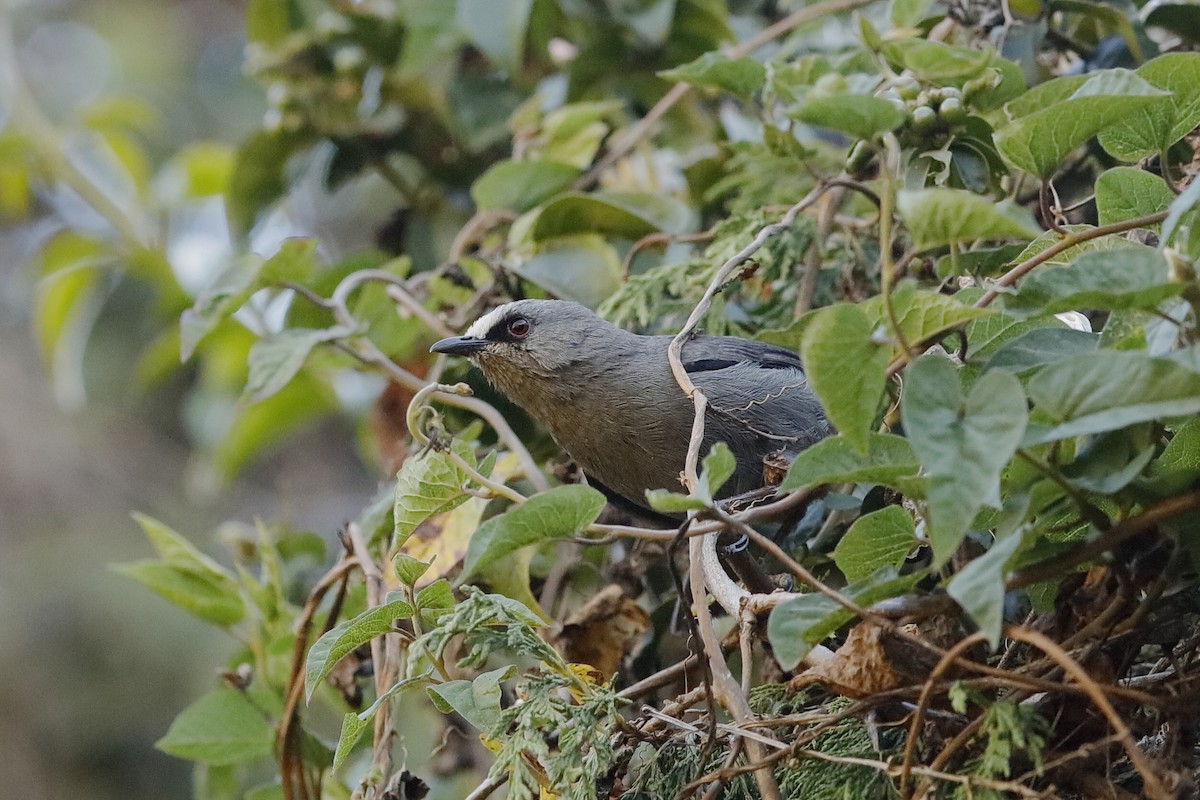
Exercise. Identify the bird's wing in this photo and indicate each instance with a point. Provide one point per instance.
(640, 512)
(757, 387)
(708, 353)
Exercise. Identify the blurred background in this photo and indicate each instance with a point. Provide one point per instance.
(95, 667)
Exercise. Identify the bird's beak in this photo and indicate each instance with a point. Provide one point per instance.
(459, 346)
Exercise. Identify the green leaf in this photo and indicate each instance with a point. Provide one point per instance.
(428, 484)
(584, 268)
(796, 625)
(717, 468)
(267, 21)
(667, 502)
(200, 593)
(922, 314)
(1051, 238)
(937, 62)
(266, 791)
(1041, 346)
(353, 728)
(962, 441)
(258, 179)
(1039, 141)
(274, 360)
(498, 28)
(743, 77)
(1181, 17)
(883, 538)
(573, 134)
(1124, 193)
(1182, 453)
(1109, 462)
(255, 427)
(937, 217)
(477, 701)
(226, 294)
(200, 169)
(887, 459)
(860, 115)
(846, 369)
(563, 511)
(223, 727)
(185, 576)
(1153, 129)
(979, 587)
(408, 568)
(176, 550)
(629, 215)
(70, 266)
(295, 261)
(908, 13)
(1181, 207)
(984, 261)
(436, 596)
(1113, 280)
(1108, 390)
(987, 335)
(346, 636)
(399, 687)
(521, 185)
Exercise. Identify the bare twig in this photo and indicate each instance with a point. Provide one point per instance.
(706, 572)
(384, 652)
(489, 785)
(368, 352)
(1152, 785)
(914, 727)
(291, 765)
(476, 227)
(659, 237)
(725, 687)
(659, 679)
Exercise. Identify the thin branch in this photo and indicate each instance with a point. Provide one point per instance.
(1152, 785)
(724, 685)
(368, 352)
(476, 227)
(1071, 239)
(1066, 243)
(659, 679)
(914, 727)
(287, 741)
(489, 785)
(1105, 540)
(386, 668)
(660, 237)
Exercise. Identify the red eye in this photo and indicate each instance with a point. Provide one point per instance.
(519, 327)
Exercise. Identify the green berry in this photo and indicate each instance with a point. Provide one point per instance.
(923, 117)
(952, 112)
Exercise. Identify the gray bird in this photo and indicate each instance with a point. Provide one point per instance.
(609, 399)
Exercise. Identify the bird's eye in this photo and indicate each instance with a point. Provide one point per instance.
(519, 327)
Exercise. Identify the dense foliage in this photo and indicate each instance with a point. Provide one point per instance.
(976, 223)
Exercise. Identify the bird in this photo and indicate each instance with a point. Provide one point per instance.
(608, 396)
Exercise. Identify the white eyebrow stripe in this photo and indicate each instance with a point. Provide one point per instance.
(479, 329)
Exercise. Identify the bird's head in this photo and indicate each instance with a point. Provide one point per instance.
(528, 339)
